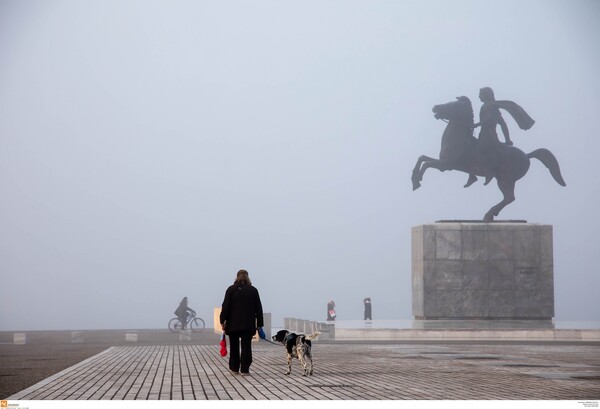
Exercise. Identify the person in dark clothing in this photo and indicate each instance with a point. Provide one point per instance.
(182, 312)
(331, 311)
(241, 315)
(368, 312)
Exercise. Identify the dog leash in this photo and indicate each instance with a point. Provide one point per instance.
(270, 342)
(263, 336)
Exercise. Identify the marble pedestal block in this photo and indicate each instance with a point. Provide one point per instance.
(476, 270)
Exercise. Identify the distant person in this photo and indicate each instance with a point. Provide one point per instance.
(368, 312)
(183, 312)
(331, 311)
(241, 315)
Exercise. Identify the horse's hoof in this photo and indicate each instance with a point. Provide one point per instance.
(488, 218)
(472, 179)
(416, 185)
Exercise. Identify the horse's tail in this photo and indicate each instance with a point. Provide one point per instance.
(549, 160)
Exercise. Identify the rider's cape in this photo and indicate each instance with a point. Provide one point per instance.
(521, 117)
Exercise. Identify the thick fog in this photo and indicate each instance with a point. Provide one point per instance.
(150, 149)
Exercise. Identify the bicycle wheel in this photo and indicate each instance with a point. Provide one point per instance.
(197, 325)
(174, 325)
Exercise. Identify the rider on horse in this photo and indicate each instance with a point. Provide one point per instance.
(489, 118)
(461, 151)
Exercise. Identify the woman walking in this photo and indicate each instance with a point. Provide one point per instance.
(241, 315)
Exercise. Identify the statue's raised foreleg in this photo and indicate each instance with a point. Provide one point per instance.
(417, 173)
(427, 163)
(507, 187)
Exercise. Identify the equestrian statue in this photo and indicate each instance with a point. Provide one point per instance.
(485, 156)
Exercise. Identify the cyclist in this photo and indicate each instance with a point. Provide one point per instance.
(182, 312)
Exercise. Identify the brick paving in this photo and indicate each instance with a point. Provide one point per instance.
(342, 372)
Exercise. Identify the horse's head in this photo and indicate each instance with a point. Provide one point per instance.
(459, 110)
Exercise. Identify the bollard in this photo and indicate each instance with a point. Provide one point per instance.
(76, 337)
(266, 327)
(327, 331)
(19, 338)
(305, 326)
(267, 324)
(217, 320)
(131, 336)
(185, 335)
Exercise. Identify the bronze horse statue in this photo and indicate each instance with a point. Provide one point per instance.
(459, 152)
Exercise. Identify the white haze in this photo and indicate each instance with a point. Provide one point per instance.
(150, 149)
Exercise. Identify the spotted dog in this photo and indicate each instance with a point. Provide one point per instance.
(297, 346)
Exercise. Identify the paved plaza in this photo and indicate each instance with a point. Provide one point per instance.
(343, 371)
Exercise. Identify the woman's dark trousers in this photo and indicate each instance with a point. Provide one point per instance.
(240, 363)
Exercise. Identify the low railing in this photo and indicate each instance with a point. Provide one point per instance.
(308, 327)
(374, 331)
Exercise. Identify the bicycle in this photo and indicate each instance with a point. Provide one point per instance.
(196, 324)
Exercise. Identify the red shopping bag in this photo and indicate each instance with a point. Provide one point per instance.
(223, 344)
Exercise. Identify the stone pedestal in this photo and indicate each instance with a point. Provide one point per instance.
(475, 270)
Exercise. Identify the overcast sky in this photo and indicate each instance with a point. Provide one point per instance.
(150, 149)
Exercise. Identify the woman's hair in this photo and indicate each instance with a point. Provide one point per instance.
(242, 278)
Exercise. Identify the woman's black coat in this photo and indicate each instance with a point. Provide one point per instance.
(241, 309)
